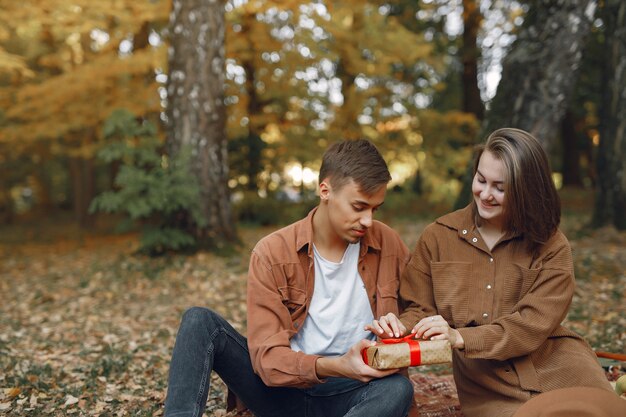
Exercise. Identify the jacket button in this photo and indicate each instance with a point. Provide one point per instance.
(464, 232)
(474, 240)
(485, 315)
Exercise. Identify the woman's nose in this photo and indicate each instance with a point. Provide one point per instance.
(486, 194)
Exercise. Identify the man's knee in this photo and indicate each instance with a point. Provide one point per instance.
(404, 389)
(391, 396)
(399, 390)
(199, 318)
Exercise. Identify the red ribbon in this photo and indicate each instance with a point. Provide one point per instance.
(414, 346)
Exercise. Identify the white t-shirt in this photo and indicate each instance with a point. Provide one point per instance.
(339, 307)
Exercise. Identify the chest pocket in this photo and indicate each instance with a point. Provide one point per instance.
(518, 280)
(388, 302)
(451, 290)
(291, 287)
(293, 298)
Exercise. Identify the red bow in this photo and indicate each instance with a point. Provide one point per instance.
(414, 346)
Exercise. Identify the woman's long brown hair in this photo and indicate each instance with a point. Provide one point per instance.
(532, 205)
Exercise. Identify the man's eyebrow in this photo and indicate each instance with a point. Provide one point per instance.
(365, 203)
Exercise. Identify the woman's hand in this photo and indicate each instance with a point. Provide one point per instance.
(437, 328)
(387, 326)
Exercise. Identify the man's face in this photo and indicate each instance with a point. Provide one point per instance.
(350, 211)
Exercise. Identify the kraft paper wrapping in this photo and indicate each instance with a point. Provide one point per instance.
(398, 355)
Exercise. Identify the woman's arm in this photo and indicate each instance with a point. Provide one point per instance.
(535, 316)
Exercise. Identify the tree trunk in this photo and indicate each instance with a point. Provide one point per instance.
(472, 103)
(196, 113)
(254, 142)
(346, 115)
(571, 152)
(6, 206)
(611, 163)
(538, 73)
(82, 174)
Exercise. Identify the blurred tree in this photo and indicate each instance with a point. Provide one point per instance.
(254, 97)
(611, 165)
(380, 76)
(570, 149)
(298, 76)
(303, 75)
(579, 134)
(538, 73)
(70, 63)
(196, 112)
(152, 191)
(470, 53)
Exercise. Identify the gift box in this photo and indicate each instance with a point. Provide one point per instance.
(406, 351)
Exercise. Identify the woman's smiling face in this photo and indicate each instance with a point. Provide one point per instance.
(488, 189)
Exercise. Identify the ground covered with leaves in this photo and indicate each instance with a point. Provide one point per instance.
(87, 328)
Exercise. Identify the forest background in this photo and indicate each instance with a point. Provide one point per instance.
(145, 146)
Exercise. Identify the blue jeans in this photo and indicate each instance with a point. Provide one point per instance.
(206, 342)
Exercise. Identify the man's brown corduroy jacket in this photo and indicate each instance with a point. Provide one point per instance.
(280, 286)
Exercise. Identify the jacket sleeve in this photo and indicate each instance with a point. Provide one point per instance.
(536, 315)
(416, 290)
(270, 328)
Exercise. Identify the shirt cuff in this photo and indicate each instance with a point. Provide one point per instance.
(473, 341)
(307, 369)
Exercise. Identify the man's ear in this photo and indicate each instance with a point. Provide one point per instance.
(324, 189)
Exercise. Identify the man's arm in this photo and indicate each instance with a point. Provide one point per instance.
(350, 365)
(269, 330)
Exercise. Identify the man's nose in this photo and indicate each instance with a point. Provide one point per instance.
(366, 219)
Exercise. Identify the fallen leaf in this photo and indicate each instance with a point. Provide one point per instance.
(71, 400)
(13, 392)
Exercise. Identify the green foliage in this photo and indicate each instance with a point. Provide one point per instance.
(252, 209)
(403, 203)
(152, 189)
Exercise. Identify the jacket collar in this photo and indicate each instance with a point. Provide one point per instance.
(304, 236)
(463, 222)
(459, 219)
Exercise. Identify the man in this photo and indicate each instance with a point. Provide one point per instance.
(313, 286)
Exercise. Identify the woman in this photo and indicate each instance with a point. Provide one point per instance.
(496, 279)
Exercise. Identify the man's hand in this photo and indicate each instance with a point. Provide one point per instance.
(437, 328)
(350, 365)
(387, 326)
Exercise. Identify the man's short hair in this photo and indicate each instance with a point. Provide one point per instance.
(356, 160)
